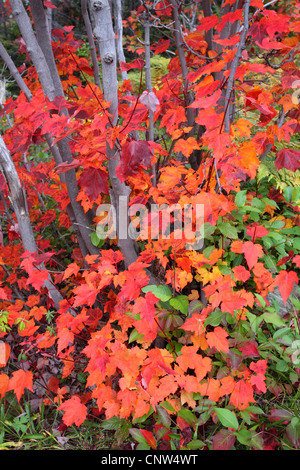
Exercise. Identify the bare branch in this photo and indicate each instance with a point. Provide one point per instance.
(235, 62)
(92, 47)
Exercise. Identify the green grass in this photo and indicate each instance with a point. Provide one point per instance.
(21, 428)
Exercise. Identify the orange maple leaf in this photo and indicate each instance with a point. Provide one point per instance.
(4, 380)
(85, 295)
(218, 339)
(186, 146)
(242, 395)
(65, 337)
(75, 411)
(73, 268)
(258, 380)
(211, 388)
(4, 353)
(19, 381)
(252, 252)
(285, 281)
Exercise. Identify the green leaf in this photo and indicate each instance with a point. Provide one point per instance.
(241, 198)
(214, 318)
(244, 436)
(195, 444)
(296, 194)
(164, 416)
(97, 241)
(168, 406)
(281, 332)
(138, 436)
(208, 229)
(282, 366)
(163, 293)
(270, 263)
(228, 230)
(296, 243)
(143, 446)
(277, 224)
(134, 335)
(112, 423)
(287, 193)
(273, 318)
(254, 320)
(260, 299)
(255, 409)
(181, 303)
(227, 418)
(188, 416)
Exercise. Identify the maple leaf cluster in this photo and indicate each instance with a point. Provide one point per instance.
(209, 303)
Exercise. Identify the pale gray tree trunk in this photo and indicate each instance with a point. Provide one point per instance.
(40, 51)
(118, 23)
(105, 37)
(89, 32)
(18, 199)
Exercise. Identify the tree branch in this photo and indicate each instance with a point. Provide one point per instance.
(235, 63)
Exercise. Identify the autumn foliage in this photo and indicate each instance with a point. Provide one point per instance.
(204, 345)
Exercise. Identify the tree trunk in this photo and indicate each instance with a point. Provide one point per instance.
(105, 37)
(18, 199)
(41, 55)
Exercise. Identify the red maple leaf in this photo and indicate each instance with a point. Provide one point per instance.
(19, 381)
(249, 349)
(37, 278)
(258, 380)
(145, 306)
(94, 181)
(4, 381)
(241, 273)
(218, 339)
(242, 395)
(285, 281)
(134, 154)
(85, 295)
(136, 64)
(252, 252)
(4, 353)
(256, 231)
(75, 411)
(296, 260)
(288, 158)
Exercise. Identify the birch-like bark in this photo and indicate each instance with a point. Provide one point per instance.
(206, 6)
(14, 71)
(41, 24)
(228, 107)
(18, 199)
(235, 63)
(34, 50)
(118, 22)
(51, 85)
(105, 37)
(148, 83)
(182, 60)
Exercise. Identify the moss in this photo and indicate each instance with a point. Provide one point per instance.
(159, 68)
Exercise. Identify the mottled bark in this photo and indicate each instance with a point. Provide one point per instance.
(89, 32)
(40, 51)
(105, 37)
(18, 199)
(118, 27)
